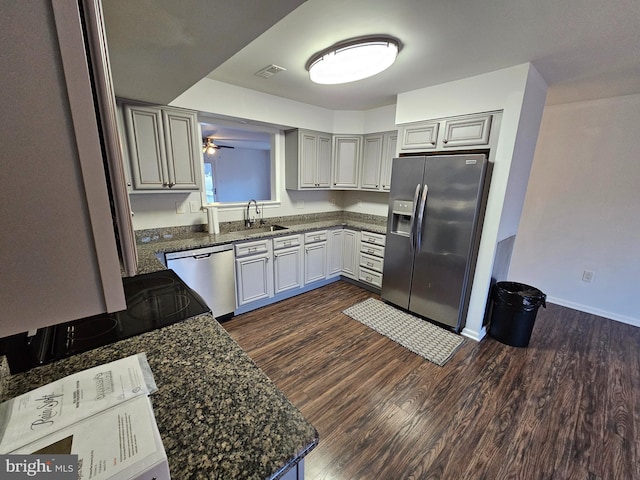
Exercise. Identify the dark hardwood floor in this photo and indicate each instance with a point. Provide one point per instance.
(566, 407)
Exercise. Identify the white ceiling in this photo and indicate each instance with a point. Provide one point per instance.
(160, 48)
(584, 49)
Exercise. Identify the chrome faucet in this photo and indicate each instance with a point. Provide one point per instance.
(248, 220)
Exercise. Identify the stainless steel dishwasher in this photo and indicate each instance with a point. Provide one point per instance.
(210, 272)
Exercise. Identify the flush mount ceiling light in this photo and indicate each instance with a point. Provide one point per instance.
(353, 59)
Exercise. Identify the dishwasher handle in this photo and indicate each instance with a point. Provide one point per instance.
(204, 252)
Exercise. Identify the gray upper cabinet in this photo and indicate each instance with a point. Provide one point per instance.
(422, 136)
(164, 148)
(456, 133)
(390, 146)
(308, 159)
(378, 152)
(316, 160)
(371, 162)
(347, 151)
(468, 131)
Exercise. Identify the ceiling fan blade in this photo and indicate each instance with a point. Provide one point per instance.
(223, 146)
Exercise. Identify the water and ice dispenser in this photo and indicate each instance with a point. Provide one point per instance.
(401, 213)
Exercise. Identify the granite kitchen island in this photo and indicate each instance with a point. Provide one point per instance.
(219, 415)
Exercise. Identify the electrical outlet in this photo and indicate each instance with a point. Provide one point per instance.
(180, 208)
(587, 276)
(195, 206)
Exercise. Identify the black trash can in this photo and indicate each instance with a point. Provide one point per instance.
(514, 310)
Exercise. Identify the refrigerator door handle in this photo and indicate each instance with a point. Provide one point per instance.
(423, 205)
(412, 225)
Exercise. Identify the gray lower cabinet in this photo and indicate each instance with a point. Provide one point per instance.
(343, 253)
(272, 269)
(334, 257)
(254, 271)
(315, 256)
(287, 264)
(371, 258)
(349, 253)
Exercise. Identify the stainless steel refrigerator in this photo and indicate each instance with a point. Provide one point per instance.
(436, 207)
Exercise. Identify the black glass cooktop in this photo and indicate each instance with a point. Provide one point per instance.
(154, 300)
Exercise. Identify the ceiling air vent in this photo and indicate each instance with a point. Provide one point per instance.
(270, 71)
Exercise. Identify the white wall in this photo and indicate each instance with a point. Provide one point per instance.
(223, 99)
(582, 209)
(519, 92)
(241, 174)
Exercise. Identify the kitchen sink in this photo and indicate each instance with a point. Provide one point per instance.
(266, 228)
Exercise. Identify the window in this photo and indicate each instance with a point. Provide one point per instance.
(240, 165)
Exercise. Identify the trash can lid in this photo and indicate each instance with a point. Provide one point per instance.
(525, 295)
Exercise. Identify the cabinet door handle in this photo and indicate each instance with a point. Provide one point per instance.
(445, 141)
(433, 143)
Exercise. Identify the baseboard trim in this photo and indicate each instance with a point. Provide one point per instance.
(594, 311)
(473, 335)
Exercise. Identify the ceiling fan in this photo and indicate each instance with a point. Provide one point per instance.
(209, 147)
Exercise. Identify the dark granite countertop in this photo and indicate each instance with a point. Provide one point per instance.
(219, 415)
(148, 261)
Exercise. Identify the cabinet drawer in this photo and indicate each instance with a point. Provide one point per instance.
(369, 276)
(375, 238)
(312, 237)
(285, 242)
(251, 248)
(372, 249)
(369, 261)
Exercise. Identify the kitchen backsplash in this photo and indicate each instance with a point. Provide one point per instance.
(164, 233)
